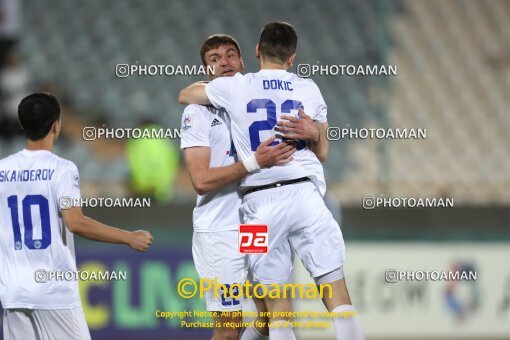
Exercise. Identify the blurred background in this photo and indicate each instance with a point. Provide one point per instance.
(453, 65)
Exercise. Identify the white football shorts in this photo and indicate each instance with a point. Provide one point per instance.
(299, 221)
(216, 256)
(41, 324)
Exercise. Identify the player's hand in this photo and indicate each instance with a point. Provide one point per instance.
(295, 128)
(140, 240)
(267, 156)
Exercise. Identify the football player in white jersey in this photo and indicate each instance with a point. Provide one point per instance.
(36, 232)
(211, 160)
(287, 198)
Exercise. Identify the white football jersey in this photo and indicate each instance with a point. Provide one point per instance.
(34, 242)
(207, 126)
(255, 102)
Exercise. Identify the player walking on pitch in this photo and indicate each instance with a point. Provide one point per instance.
(36, 234)
(288, 198)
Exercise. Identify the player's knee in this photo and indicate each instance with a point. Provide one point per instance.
(278, 304)
(227, 333)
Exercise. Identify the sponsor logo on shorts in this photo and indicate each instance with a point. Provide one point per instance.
(253, 238)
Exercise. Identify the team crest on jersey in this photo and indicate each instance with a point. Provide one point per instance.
(186, 123)
(215, 122)
(76, 181)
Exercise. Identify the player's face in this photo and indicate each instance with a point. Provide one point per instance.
(225, 59)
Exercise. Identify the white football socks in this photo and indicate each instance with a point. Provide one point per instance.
(348, 324)
(252, 333)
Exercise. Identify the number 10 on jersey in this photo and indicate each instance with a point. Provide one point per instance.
(44, 211)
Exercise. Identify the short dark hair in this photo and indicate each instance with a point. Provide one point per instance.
(278, 41)
(215, 41)
(37, 113)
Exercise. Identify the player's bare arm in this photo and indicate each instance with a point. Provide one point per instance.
(86, 227)
(205, 178)
(307, 129)
(194, 94)
(321, 147)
